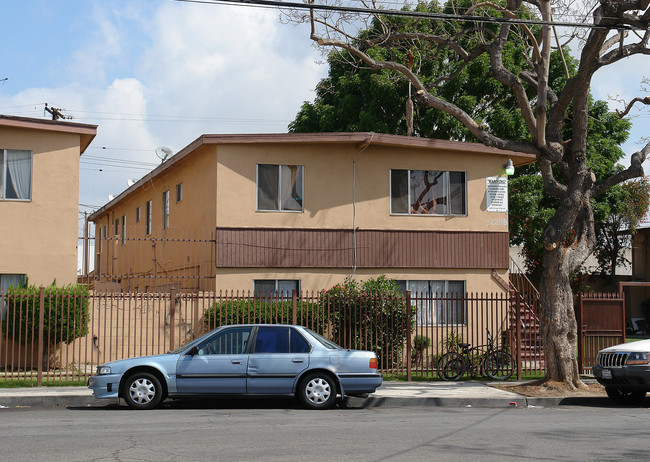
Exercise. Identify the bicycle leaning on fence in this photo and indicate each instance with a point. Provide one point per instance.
(489, 360)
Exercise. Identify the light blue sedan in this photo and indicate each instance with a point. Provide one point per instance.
(259, 359)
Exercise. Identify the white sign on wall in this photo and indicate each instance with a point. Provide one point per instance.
(496, 194)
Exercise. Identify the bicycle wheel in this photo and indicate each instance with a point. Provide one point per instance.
(499, 365)
(451, 366)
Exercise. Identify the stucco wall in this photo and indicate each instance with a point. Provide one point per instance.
(335, 174)
(476, 281)
(39, 237)
(345, 185)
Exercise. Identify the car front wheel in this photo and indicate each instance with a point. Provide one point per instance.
(317, 391)
(142, 390)
(625, 396)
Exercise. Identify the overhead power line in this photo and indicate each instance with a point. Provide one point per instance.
(412, 14)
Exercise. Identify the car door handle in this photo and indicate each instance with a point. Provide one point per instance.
(297, 360)
(236, 361)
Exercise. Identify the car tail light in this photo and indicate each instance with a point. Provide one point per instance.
(373, 363)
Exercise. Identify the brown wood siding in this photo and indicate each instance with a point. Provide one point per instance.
(334, 248)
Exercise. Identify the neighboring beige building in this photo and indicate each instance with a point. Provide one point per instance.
(304, 211)
(39, 197)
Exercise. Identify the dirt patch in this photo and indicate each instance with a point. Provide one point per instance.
(541, 389)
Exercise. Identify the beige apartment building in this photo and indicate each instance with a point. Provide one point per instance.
(39, 197)
(276, 212)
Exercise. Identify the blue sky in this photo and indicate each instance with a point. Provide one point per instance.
(160, 73)
(152, 73)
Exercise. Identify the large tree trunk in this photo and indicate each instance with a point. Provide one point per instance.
(558, 323)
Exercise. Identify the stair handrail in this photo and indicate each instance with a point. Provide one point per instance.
(521, 275)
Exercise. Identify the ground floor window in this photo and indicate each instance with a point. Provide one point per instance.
(275, 287)
(6, 281)
(437, 302)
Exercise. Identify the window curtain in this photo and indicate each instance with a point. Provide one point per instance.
(19, 170)
(439, 302)
(267, 187)
(428, 191)
(291, 187)
(399, 191)
(6, 281)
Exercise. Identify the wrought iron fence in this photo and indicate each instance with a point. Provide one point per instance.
(409, 333)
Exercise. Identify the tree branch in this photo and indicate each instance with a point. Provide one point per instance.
(645, 101)
(633, 171)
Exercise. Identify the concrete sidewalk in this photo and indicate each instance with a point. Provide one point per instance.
(390, 394)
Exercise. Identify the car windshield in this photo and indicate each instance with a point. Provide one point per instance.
(181, 348)
(323, 341)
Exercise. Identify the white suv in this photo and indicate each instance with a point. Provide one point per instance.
(624, 370)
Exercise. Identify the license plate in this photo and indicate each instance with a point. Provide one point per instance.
(607, 374)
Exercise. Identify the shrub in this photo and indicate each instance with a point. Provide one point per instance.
(420, 344)
(65, 314)
(369, 316)
(452, 341)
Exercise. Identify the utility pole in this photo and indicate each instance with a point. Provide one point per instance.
(56, 112)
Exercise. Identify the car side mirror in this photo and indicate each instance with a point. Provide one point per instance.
(193, 351)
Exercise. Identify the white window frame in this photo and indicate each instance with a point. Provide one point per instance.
(4, 175)
(410, 200)
(165, 209)
(276, 289)
(424, 300)
(279, 198)
(7, 280)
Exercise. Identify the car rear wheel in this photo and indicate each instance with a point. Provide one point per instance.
(625, 396)
(142, 390)
(317, 391)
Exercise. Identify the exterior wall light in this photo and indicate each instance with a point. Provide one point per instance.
(510, 168)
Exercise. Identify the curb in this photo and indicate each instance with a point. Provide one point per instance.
(51, 401)
(352, 402)
(519, 402)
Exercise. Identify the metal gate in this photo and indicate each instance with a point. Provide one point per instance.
(601, 323)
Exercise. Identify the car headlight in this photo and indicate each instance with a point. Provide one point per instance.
(638, 357)
(103, 370)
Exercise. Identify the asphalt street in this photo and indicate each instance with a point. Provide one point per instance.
(280, 430)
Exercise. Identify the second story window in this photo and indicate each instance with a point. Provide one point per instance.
(428, 192)
(117, 228)
(123, 229)
(165, 209)
(148, 217)
(15, 174)
(179, 192)
(138, 213)
(280, 187)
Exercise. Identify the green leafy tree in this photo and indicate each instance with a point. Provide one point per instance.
(549, 112)
(355, 98)
(628, 203)
(531, 208)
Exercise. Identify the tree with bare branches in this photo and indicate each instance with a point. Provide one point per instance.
(482, 31)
